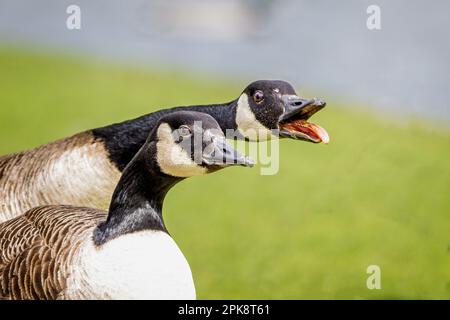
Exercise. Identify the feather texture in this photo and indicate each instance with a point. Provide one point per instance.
(71, 171)
(37, 250)
(48, 253)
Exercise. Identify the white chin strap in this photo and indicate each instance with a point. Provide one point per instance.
(247, 124)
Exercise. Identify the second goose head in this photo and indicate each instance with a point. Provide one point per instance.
(266, 107)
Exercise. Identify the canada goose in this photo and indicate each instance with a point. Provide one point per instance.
(84, 169)
(66, 252)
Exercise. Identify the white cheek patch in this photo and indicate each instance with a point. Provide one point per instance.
(248, 125)
(172, 158)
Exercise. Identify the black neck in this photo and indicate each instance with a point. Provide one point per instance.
(137, 202)
(123, 140)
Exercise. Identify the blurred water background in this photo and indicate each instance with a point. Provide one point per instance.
(402, 69)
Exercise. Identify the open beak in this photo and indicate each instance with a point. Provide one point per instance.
(293, 122)
(222, 154)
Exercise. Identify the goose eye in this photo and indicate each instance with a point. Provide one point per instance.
(184, 131)
(258, 96)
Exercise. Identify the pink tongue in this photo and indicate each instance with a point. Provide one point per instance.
(320, 132)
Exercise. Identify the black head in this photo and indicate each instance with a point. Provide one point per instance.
(182, 144)
(192, 143)
(266, 106)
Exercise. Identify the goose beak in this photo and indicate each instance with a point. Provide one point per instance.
(220, 153)
(293, 122)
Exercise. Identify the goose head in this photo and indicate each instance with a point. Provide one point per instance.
(192, 143)
(267, 107)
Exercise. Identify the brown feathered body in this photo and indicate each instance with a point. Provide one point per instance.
(37, 250)
(71, 171)
(49, 253)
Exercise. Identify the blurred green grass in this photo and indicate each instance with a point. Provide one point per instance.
(378, 194)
